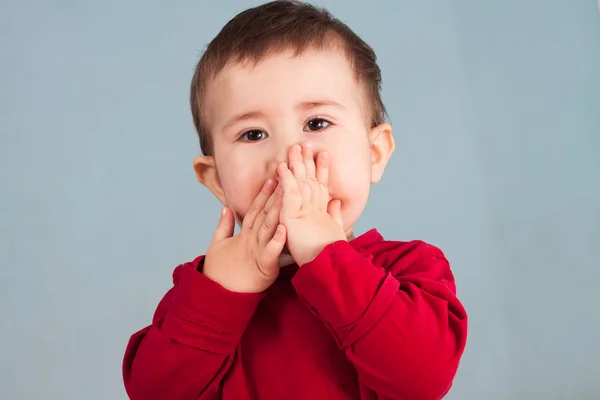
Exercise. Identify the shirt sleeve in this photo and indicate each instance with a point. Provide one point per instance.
(189, 347)
(402, 327)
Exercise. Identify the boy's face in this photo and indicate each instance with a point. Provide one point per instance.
(255, 113)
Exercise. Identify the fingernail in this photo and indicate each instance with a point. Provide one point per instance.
(223, 212)
(325, 155)
(269, 182)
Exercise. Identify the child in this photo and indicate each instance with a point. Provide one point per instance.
(287, 107)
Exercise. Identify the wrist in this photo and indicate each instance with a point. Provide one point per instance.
(318, 249)
(236, 284)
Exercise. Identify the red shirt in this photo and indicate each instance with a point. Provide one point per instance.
(367, 319)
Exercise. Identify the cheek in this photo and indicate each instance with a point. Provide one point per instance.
(350, 168)
(354, 194)
(240, 187)
(350, 181)
(350, 178)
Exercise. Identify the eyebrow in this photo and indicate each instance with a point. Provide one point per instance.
(242, 117)
(305, 105)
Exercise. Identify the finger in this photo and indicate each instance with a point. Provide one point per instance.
(296, 164)
(275, 196)
(259, 203)
(273, 249)
(225, 226)
(292, 199)
(260, 218)
(310, 189)
(322, 175)
(308, 160)
(322, 172)
(270, 222)
(334, 209)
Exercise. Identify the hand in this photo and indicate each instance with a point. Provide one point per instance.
(248, 261)
(311, 220)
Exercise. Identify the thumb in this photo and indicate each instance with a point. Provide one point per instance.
(225, 226)
(334, 209)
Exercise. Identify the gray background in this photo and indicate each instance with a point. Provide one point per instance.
(496, 108)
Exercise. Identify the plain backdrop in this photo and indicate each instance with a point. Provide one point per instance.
(496, 110)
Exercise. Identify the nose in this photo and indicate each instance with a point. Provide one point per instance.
(282, 146)
(280, 155)
(280, 150)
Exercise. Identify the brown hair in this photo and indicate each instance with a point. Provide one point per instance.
(261, 31)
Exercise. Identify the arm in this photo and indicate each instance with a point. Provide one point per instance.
(190, 345)
(404, 330)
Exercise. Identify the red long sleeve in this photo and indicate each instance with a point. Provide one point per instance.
(403, 329)
(190, 345)
(368, 319)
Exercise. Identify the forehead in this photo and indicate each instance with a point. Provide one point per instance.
(281, 80)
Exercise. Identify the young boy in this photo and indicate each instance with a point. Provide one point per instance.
(287, 107)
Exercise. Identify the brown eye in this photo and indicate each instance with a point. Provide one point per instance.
(253, 135)
(316, 124)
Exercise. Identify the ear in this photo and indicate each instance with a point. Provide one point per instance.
(382, 147)
(206, 172)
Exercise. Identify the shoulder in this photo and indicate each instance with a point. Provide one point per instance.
(374, 244)
(404, 257)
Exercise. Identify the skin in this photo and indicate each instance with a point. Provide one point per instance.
(294, 160)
